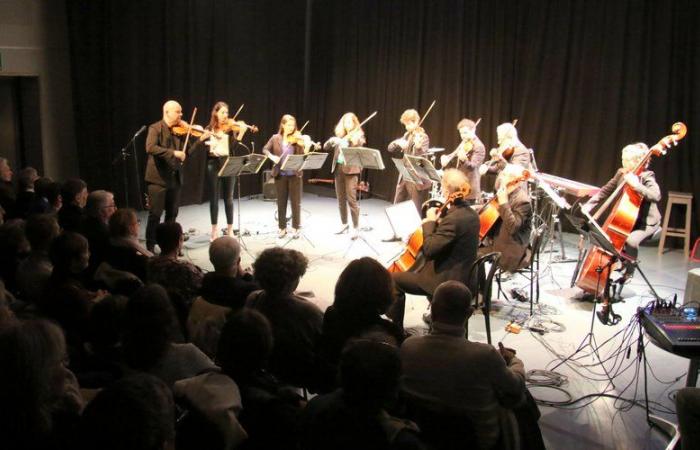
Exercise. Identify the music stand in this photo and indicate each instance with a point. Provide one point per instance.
(423, 168)
(365, 158)
(234, 166)
(307, 161)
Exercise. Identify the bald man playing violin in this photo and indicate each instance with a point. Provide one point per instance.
(164, 168)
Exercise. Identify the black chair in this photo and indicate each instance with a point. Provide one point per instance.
(531, 267)
(479, 283)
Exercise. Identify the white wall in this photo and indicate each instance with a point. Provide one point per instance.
(34, 42)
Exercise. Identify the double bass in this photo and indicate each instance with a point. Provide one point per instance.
(595, 268)
(411, 258)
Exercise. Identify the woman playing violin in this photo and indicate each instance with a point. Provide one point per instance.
(450, 242)
(348, 133)
(223, 140)
(288, 183)
(645, 184)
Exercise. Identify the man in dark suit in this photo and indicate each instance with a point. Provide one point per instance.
(511, 234)
(449, 246)
(163, 170)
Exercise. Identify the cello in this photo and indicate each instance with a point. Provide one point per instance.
(620, 222)
(488, 214)
(411, 258)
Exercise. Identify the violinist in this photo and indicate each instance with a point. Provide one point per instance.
(288, 183)
(469, 156)
(450, 243)
(348, 133)
(645, 184)
(223, 141)
(511, 234)
(510, 151)
(163, 169)
(414, 142)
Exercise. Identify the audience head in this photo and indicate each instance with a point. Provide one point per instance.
(106, 322)
(32, 379)
(69, 252)
(451, 303)
(135, 413)
(364, 288)
(278, 270)
(13, 239)
(26, 179)
(52, 193)
(169, 237)
(100, 204)
(124, 223)
(369, 374)
(245, 344)
(74, 192)
(225, 254)
(5, 170)
(150, 325)
(41, 230)
(6, 315)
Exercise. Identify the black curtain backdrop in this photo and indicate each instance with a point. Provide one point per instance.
(129, 57)
(583, 78)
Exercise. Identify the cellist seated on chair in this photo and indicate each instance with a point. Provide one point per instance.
(449, 247)
(649, 218)
(511, 234)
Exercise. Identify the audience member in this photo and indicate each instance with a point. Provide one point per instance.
(48, 198)
(181, 278)
(124, 251)
(223, 291)
(136, 413)
(443, 371)
(150, 332)
(8, 197)
(25, 192)
(34, 272)
(355, 416)
(99, 208)
(66, 299)
(296, 322)
(74, 194)
(14, 247)
(363, 293)
(270, 409)
(39, 397)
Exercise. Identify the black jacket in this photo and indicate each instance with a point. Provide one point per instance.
(163, 168)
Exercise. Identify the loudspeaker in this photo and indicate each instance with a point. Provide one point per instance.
(268, 186)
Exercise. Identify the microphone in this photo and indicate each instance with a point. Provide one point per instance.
(141, 130)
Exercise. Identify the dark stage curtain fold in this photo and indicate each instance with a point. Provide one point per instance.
(583, 78)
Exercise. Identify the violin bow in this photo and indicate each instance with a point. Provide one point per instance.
(189, 129)
(426, 113)
(303, 126)
(371, 116)
(240, 108)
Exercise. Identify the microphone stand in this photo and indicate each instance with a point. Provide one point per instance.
(123, 156)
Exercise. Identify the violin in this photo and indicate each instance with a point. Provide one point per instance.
(183, 128)
(411, 258)
(235, 126)
(488, 214)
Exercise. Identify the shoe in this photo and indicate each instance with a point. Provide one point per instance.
(607, 316)
(392, 239)
(281, 233)
(296, 233)
(355, 234)
(344, 229)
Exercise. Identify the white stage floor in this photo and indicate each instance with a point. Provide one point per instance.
(595, 423)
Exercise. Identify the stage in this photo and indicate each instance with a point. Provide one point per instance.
(601, 424)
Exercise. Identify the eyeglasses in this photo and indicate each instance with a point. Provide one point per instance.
(109, 206)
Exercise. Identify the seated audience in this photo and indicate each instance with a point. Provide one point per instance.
(223, 291)
(136, 413)
(66, 299)
(74, 194)
(48, 198)
(99, 208)
(14, 247)
(363, 293)
(150, 332)
(355, 415)
(296, 322)
(34, 272)
(444, 372)
(8, 197)
(270, 409)
(125, 252)
(40, 399)
(181, 278)
(25, 192)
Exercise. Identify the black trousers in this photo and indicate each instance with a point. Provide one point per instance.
(161, 199)
(404, 283)
(215, 185)
(288, 189)
(346, 191)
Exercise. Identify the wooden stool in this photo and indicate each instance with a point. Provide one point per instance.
(677, 198)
